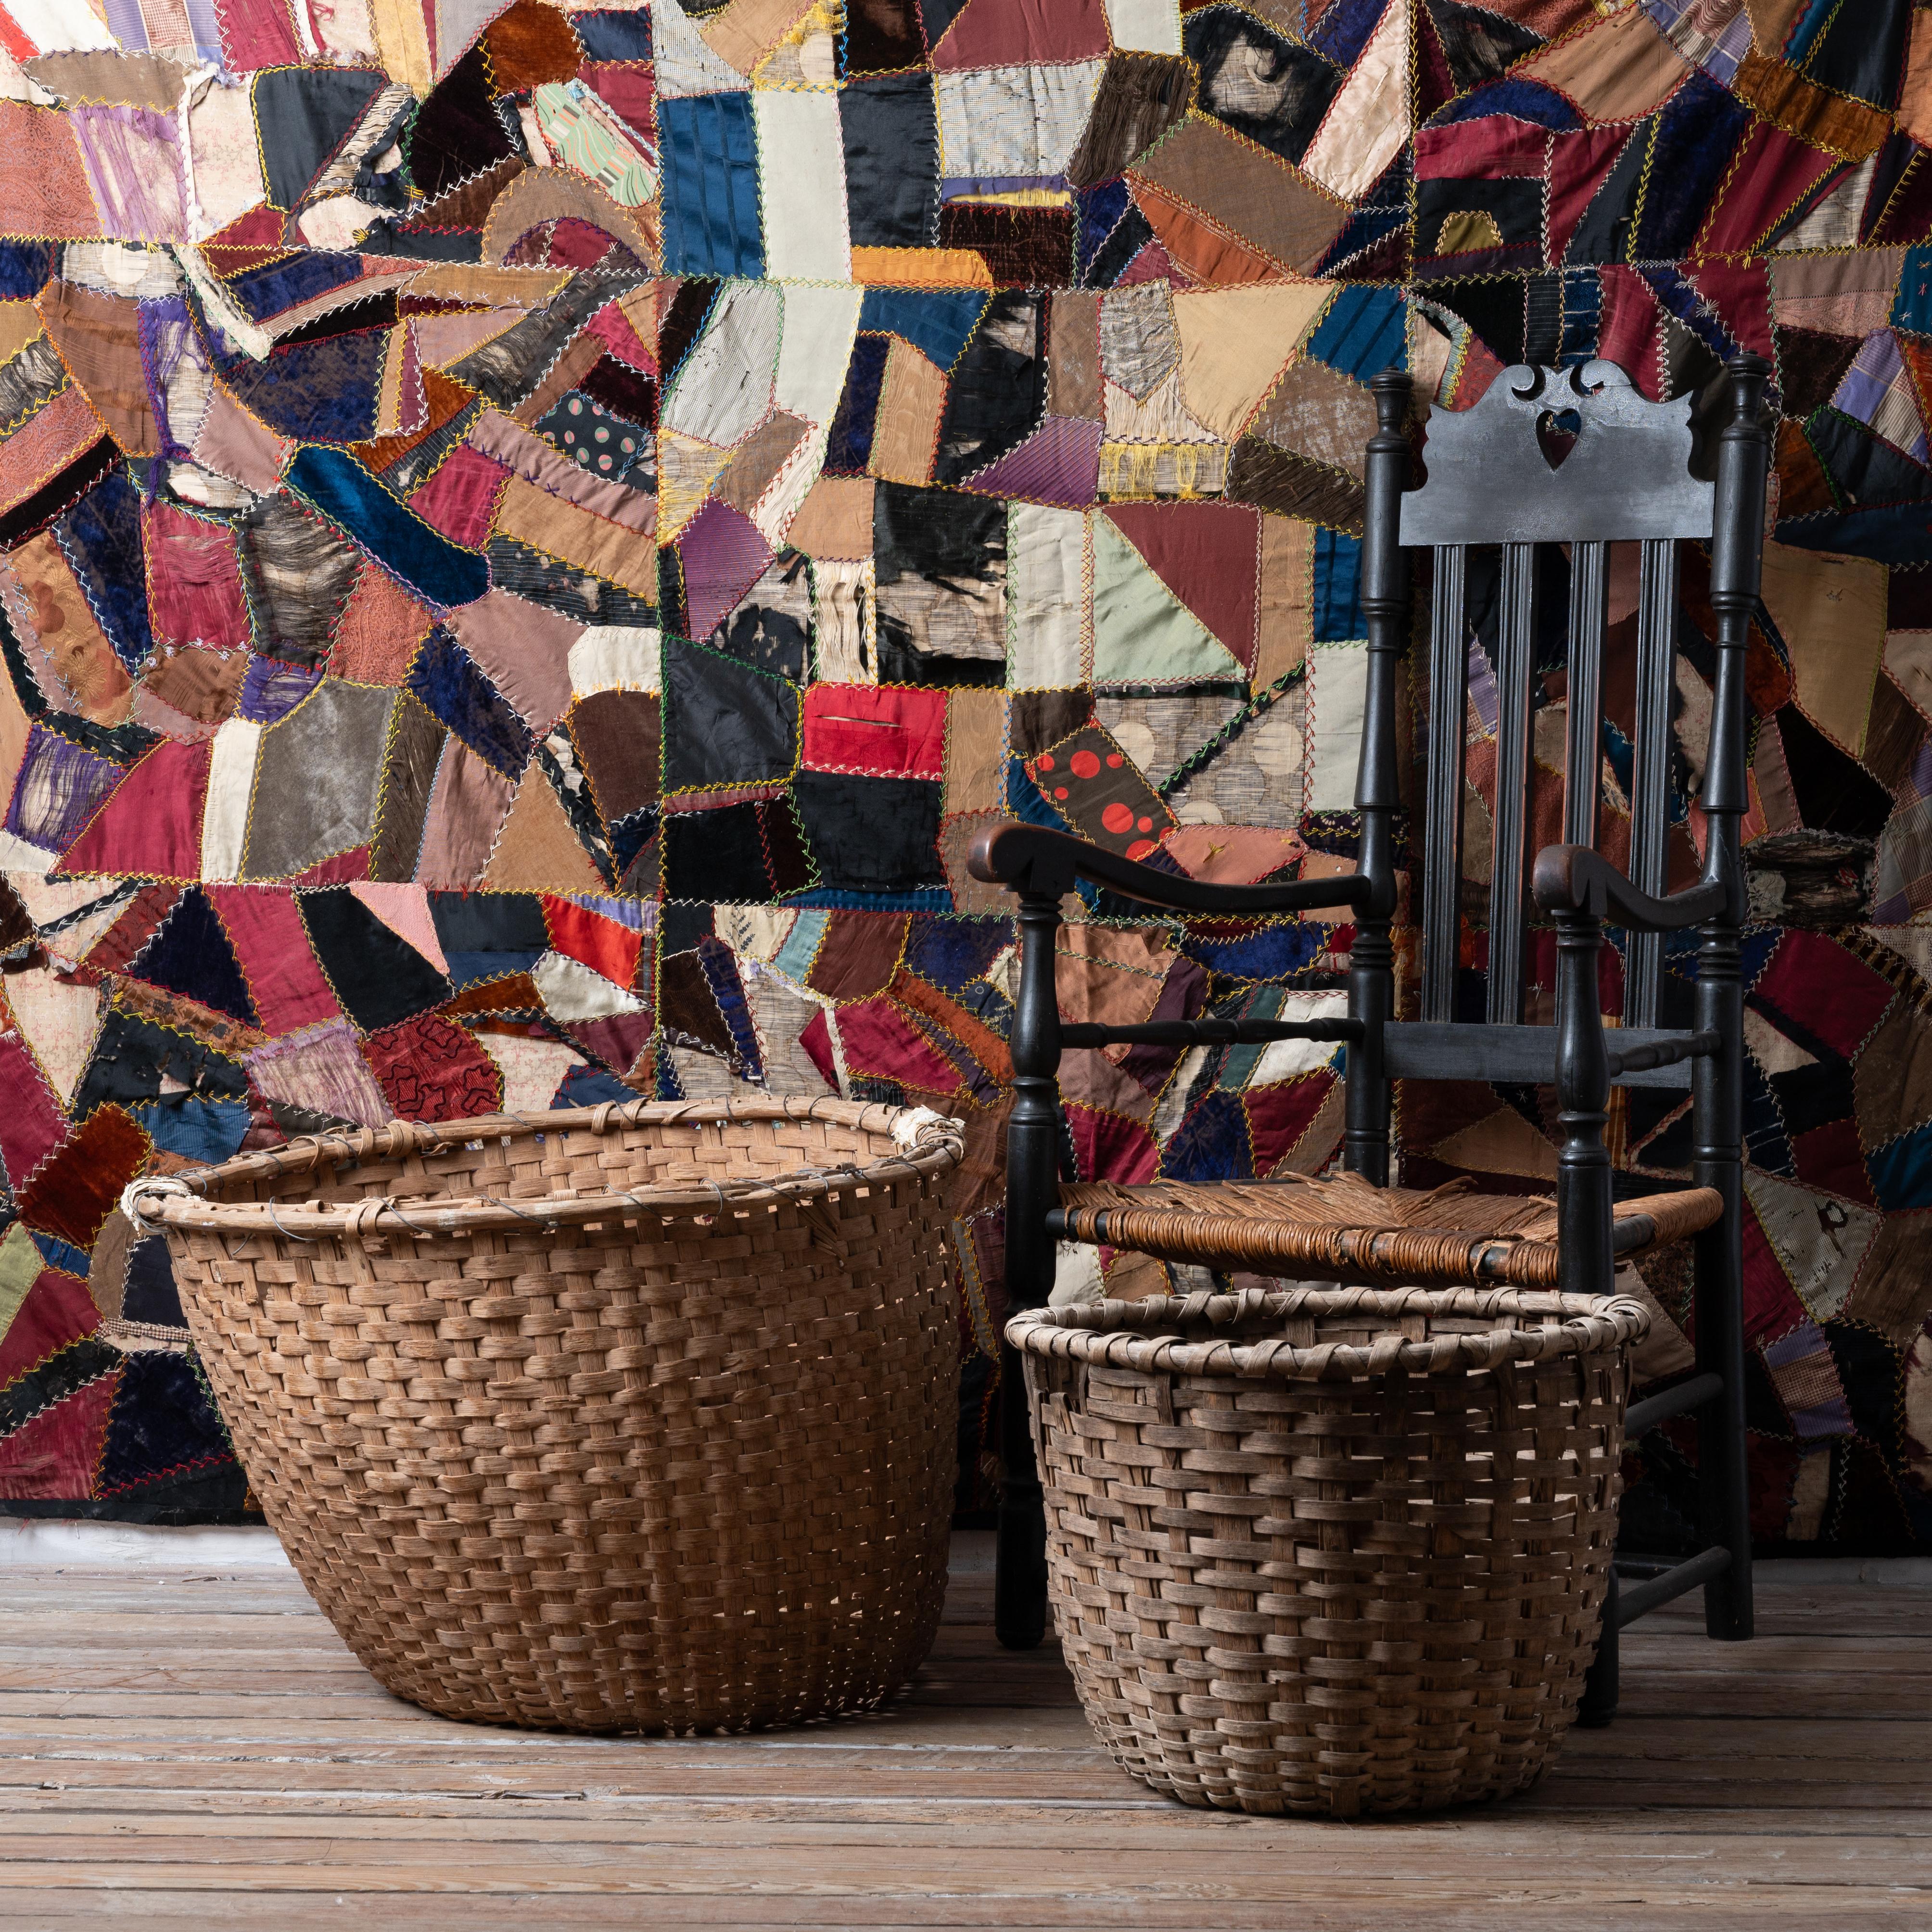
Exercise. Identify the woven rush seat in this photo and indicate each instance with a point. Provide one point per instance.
(1344, 1228)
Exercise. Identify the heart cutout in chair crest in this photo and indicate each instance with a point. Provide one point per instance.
(1556, 433)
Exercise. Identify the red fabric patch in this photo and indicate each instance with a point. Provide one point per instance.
(1772, 174)
(612, 326)
(881, 729)
(1740, 293)
(57, 1310)
(429, 1070)
(16, 42)
(616, 1040)
(1110, 1146)
(1771, 1307)
(627, 88)
(602, 944)
(272, 944)
(151, 820)
(345, 869)
(1631, 328)
(1828, 1158)
(817, 1041)
(996, 33)
(1496, 147)
(31, 1123)
(257, 33)
(74, 1187)
(461, 499)
(54, 1455)
(1206, 554)
(881, 1042)
(1278, 1117)
(1818, 986)
(194, 580)
(1580, 159)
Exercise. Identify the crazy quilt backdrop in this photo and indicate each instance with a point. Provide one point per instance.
(534, 537)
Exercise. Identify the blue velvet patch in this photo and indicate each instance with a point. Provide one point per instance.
(162, 1418)
(849, 441)
(728, 988)
(62, 1255)
(267, 291)
(1582, 316)
(1100, 208)
(1343, 30)
(936, 322)
(322, 392)
(1364, 332)
(612, 35)
(101, 535)
(710, 152)
(585, 1086)
(1698, 131)
(24, 267)
(445, 677)
(1888, 533)
(439, 570)
(951, 953)
(191, 955)
(1338, 588)
(1272, 953)
(1527, 100)
(209, 1130)
(1211, 1143)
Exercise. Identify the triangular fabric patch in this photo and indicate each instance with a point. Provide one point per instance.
(996, 33)
(537, 850)
(1820, 1239)
(1502, 1143)
(54, 1456)
(404, 910)
(1143, 634)
(151, 821)
(1208, 554)
(56, 1310)
(57, 1019)
(192, 955)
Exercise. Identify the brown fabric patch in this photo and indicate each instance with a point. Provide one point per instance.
(1802, 486)
(536, 850)
(514, 993)
(1810, 364)
(1073, 355)
(1022, 248)
(1262, 200)
(409, 770)
(975, 723)
(99, 339)
(905, 431)
(1037, 719)
(116, 79)
(755, 464)
(77, 647)
(1284, 620)
(70, 1192)
(1293, 486)
(468, 204)
(202, 684)
(625, 557)
(1891, 1083)
(1895, 1282)
(835, 521)
(1894, 733)
(979, 1039)
(1831, 121)
(1141, 97)
(859, 954)
(616, 736)
(528, 45)
(114, 951)
(687, 1008)
(1317, 411)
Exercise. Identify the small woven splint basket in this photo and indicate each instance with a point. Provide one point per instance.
(628, 1418)
(1331, 1550)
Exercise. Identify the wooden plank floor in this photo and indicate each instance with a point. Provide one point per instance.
(183, 1746)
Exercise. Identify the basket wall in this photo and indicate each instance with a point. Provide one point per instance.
(636, 1476)
(1341, 1598)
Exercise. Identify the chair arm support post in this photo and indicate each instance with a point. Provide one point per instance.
(1716, 1099)
(1576, 878)
(1377, 784)
(1583, 1207)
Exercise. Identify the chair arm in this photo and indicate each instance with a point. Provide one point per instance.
(1573, 878)
(1033, 859)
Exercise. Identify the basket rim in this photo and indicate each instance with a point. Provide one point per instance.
(931, 1145)
(1105, 1332)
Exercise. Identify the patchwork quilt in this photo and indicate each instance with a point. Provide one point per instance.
(532, 538)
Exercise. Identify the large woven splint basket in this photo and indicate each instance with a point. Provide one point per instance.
(1331, 1550)
(628, 1418)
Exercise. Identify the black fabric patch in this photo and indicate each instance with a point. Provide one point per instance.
(1865, 468)
(1604, 235)
(771, 629)
(882, 35)
(191, 955)
(724, 723)
(131, 1057)
(162, 1417)
(940, 570)
(1125, 240)
(302, 116)
(747, 853)
(484, 935)
(299, 573)
(62, 1373)
(1476, 44)
(148, 1293)
(458, 132)
(1515, 206)
(871, 835)
(1260, 83)
(1835, 793)
(380, 978)
(542, 579)
(891, 133)
(617, 387)
(1861, 50)
(997, 396)
(682, 321)
(1498, 310)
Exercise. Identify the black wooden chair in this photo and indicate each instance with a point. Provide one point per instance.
(1628, 475)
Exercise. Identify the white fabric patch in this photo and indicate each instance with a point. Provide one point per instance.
(684, 64)
(56, 25)
(1287, 1059)
(533, 1070)
(1144, 26)
(724, 391)
(815, 347)
(1368, 121)
(1046, 551)
(224, 164)
(231, 782)
(802, 184)
(615, 657)
(1005, 121)
(572, 991)
(1339, 674)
